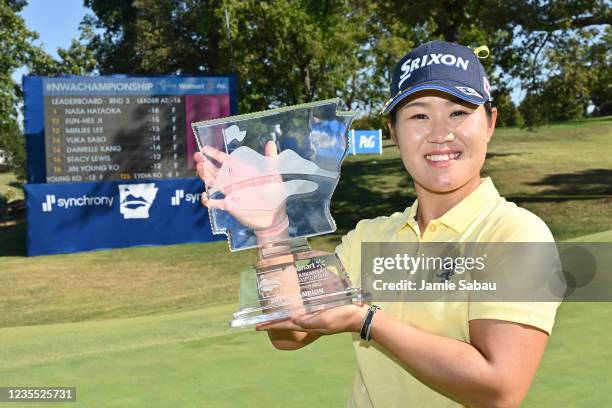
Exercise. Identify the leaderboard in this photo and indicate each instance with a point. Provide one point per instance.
(131, 128)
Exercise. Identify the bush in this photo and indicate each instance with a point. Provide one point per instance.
(13, 143)
(507, 112)
(3, 206)
(372, 121)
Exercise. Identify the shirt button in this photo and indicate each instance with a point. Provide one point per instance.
(432, 228)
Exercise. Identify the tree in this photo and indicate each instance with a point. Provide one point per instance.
(17, 49)
(601, 86)
(292, 51)
(283, 51)
(522, 36)
(577, 75)
(507, 112)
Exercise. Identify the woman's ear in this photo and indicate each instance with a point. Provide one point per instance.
(491, 124)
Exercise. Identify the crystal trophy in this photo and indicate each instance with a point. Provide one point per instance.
(270, 177)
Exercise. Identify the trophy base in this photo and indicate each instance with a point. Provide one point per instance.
(290, 279)
(256, 315)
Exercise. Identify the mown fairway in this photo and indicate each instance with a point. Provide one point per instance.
(148, 326)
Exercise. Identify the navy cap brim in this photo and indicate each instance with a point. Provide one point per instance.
(450, 87)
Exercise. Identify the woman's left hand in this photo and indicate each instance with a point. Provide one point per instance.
(329, 321)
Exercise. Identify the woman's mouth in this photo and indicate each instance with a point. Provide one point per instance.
(442, 159)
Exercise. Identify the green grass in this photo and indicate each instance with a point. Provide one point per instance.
(562, 173)
(187, 359)
(117, 283)
(575, 369)
(147, 326)
(10, 187)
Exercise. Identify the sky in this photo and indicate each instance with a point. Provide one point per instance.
(55, 21)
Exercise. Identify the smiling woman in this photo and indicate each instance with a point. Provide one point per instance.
(442, 354)
(442, 141)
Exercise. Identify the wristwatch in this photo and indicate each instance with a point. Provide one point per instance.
(367, 323)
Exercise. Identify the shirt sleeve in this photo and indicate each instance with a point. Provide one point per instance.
(349, 253)
(522, 226)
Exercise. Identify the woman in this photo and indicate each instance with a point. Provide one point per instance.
(482, 354)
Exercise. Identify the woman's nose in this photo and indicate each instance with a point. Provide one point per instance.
(440, 133)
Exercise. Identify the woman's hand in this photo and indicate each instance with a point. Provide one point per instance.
(245, 200)
(339, 319)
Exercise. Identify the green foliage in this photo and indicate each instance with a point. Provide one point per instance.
(529, 42)
(507, 112)
(577, 75)
(373, 121)
(600, 61)
(17, 49)
(292, 51)
(284, 52)
(531, 111)
(12, 142)
(3, 206)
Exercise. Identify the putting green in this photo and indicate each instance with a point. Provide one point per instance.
(188, 359)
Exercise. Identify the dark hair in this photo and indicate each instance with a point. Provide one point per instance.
(487, 105)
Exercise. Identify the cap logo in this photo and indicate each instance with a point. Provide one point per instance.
(468, 91)
(410, 65)
(486, 86)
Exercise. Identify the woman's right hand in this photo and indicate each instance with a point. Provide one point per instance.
(268, 223)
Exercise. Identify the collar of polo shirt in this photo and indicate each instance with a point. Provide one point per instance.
(461, 215)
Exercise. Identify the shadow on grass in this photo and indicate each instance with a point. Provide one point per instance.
(355, 199)
(492, 155)
(553, 199)
(582, 183)
(13, 240)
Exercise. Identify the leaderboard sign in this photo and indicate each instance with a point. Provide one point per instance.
(110, 159)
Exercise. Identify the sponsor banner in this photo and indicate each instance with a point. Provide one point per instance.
(366, 142)
(76, 217)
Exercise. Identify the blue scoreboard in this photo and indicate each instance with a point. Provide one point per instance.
(110, 160)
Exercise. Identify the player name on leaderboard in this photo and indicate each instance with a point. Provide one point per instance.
(125, 137)
(101, 131)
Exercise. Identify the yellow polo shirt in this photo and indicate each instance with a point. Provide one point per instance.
(483, 216)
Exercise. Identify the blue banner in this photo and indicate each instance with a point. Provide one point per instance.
(76, 217)
(366, 142)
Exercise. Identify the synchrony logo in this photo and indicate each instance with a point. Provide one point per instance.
(136, 199)
(179, 195)
(48, 204)
(82, 201)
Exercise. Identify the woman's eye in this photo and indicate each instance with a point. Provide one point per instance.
(459, 113)
(419, 116)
